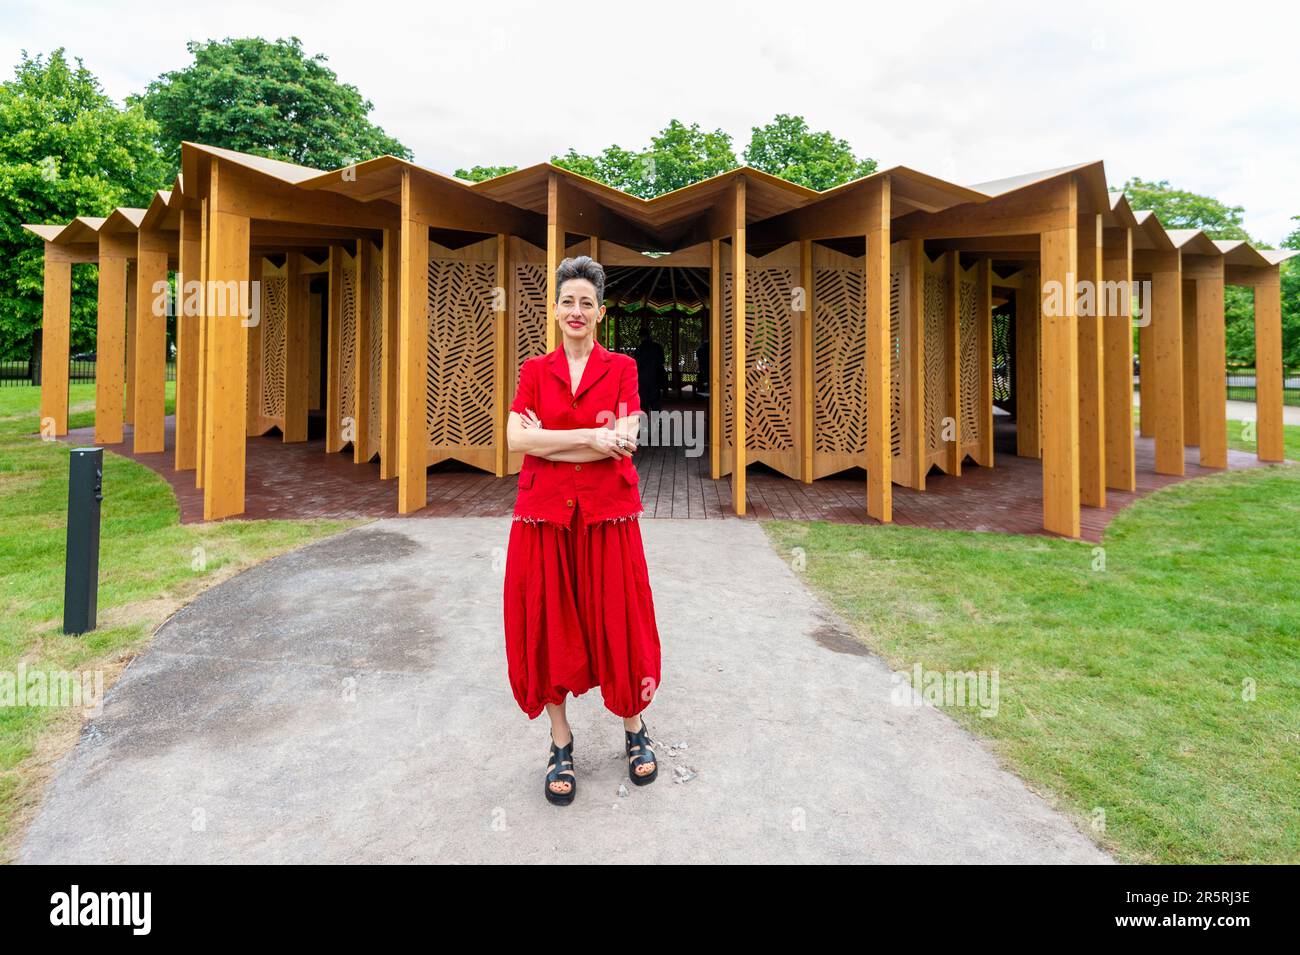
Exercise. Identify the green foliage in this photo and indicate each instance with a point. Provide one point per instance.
(1291, 302)
(785, 148)
(65, 150)
(480, 173)
(1179, 209)
(677, 156)
(268, 99)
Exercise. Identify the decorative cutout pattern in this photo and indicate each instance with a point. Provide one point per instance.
(769, 358)
(529, 296)
(968, 329)
(458, 402)
(896, 278)
(936, 361)
(375, 353)
(839, 360)
(275, 320)
(347, 383)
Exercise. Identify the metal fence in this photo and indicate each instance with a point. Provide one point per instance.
(1241, 384)
(80, 370)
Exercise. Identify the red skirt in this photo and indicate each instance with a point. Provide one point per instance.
(579, 613)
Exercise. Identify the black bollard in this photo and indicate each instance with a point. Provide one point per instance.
(81, 577)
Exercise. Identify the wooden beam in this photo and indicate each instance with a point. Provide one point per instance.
(1191, 382)
(132, 339)
(1092, 412)
(413, 354)
(110, 339)
(1166, 337)
(554, 253)
(1117, 371)
(364, 325)
(1268, 366)
(150, 342)
(253, 397)
(1146, 386)
(1035, 209)
(297, 351)
(1060, 349)
(227, 372)
(740, 361)
(201, 392)
(880, 456)
(187, 341)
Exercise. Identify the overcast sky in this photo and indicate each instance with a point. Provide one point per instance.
(1204, 96)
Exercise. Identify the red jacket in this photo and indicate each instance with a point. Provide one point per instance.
(604, 489)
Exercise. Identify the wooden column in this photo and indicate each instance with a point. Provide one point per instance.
(334, 359)
(914, 423)
(56, 332)
(984, 307)
(297, 350)
(365, 322)
(205, 344)
(388, 377)
(715, 359)
(1060, 350)
(1092, 417)
(150, 342)
(1191, 383)
(1117, 361)
(1028, 328)
(554, 254)
(880, 453)
(132, 338)
(1268, 366)
(1166, 337)
(803, 324)
(413, 351)
(502, 384)
(1211, 359)
(227, 360)
(110, 337)
(187, 343)
(740, 361)
(1146, 387)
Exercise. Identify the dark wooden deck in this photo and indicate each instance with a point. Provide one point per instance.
(294, 481)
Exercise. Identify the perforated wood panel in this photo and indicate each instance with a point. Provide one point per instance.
(275, 319)
(529, 298)
(770, 358)
(936, 356)
(458, 400)
(348, 342)
(897, 344)
(839, 361)
(375, 354)
(968, 331)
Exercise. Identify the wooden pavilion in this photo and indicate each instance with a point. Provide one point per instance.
(866, 340)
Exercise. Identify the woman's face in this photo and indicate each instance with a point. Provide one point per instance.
(577, 310)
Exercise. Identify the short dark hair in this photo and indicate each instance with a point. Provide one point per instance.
(581, 267)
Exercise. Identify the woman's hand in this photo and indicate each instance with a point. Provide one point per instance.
(612, 443)
(529, 419)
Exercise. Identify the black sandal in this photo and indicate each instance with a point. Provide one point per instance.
(641, 740)
(556, 772)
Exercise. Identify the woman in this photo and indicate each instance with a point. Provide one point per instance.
(578, 607)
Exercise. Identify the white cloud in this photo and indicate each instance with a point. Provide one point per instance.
(1190, 93)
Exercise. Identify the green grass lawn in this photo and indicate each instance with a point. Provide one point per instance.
(149, 566)
(1236, 441)
(1123, 690)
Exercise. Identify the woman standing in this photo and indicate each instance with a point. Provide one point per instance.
(578, 608)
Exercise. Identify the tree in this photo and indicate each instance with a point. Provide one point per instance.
(265, 98)
(677, 156)
(1180, 209)
(65, 150)
(480, 173)
(786, 148)
(1291, 302)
